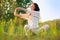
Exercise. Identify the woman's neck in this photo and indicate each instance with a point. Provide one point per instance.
(32, 9)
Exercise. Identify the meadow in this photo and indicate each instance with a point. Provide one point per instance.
(12, 31)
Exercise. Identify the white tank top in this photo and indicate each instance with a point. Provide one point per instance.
(33, 18)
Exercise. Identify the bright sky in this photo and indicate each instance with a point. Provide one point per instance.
(49, 9)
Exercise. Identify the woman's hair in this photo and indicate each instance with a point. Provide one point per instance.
(36, 7)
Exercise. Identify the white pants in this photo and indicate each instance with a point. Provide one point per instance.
(35, 30)
(28, 28)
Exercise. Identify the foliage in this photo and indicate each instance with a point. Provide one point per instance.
(16, 32)
(7, 7)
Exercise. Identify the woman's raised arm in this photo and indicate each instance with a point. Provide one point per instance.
(21, 15)
(15, 13)
(19, 8)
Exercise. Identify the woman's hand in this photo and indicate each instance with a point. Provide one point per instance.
(20, 15)
(15, 13)
(18, 9)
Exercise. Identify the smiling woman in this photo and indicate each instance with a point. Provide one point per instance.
(32, 16)
(49, 9)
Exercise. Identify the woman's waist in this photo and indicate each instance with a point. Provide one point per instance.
(33, 24)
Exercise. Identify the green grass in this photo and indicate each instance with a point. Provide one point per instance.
(12, 31)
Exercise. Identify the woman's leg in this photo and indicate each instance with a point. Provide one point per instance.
(26, 29)
(44, 27)
(34, 31)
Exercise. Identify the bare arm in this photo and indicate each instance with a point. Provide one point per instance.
(21, 15)
(16, 14)
(25, 16)
(19, 8)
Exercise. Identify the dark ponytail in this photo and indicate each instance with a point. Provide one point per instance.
(36, 7)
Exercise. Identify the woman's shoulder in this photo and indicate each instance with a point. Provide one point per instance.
(29, 10)
(36, 11)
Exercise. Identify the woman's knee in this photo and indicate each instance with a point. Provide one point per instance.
(26, 27)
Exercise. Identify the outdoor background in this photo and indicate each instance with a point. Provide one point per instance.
(12, 28)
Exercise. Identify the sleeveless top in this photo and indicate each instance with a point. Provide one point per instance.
(33, 18)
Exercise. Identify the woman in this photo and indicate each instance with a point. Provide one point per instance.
(32, 16)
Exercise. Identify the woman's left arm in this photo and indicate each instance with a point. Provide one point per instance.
(25, 16)
(21, 15)
(19, 8)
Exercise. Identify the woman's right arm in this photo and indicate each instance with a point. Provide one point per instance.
(21, 15)
(15, 13)
(19, 8)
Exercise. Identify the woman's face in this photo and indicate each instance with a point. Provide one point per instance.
(32, 6)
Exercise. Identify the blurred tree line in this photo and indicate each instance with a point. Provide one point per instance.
(8, 22)
(7, 8)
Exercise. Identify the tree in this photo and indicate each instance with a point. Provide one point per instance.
(24, 4)
(7, 8)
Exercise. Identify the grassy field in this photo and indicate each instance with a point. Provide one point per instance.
(12, 31)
